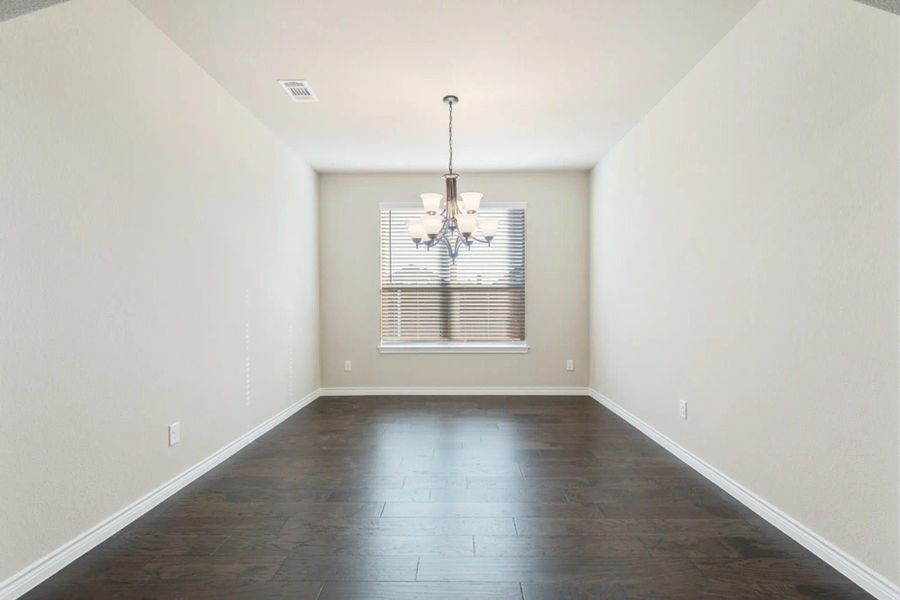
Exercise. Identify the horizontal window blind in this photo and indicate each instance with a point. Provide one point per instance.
(425, 297)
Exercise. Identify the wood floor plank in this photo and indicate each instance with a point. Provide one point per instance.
(304, 567)
(555, 569)
(100, 568)
(491, 509)
(651, 589)
(489, 498)
(568, 546)
(420, 591)
(375, 544)
(405, 494)
(301, 528)
(559, 484)
(498, 494)
(572, 591)
(142, 541)
(268, 590)
(436, 481)
(605, 526)
(320, 510)
(771, 570)
(211, 524)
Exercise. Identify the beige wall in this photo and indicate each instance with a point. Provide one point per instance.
(556, 283)
(154, 237)
(744, 258)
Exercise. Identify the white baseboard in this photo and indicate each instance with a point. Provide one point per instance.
(857, 572)
(455, 391)
(37, 572)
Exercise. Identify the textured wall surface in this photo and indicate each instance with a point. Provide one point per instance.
(15, 8)
(158, 263)
(744, 258)
(889, 5)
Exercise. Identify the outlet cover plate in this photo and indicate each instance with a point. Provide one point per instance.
(175, 433)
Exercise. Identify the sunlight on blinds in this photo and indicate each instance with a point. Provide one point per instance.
(425, 297)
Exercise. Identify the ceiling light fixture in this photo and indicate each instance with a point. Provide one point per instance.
(450, 220)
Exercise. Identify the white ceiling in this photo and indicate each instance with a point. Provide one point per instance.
(542, 83)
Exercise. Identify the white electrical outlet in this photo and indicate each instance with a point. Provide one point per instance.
(348, 366)
(570, 365)
(174, 433)
(682, 409)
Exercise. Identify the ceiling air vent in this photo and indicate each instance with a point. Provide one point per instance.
(298, 90)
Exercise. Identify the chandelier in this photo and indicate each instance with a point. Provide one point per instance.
(451, 220)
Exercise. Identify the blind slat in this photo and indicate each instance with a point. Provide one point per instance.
(425, 297)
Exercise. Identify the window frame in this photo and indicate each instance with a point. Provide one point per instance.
(521, 347)
(453, 347)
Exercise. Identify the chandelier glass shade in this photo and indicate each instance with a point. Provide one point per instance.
(451, 219)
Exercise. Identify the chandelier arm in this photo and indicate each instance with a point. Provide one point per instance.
(456, 245)
(449, 249)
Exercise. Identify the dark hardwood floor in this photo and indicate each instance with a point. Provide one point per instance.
(498, 498)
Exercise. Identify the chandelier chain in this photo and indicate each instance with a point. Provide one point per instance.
(450, 129)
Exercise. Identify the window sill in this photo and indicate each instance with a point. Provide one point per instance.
(453, 347)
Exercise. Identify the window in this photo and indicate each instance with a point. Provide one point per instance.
(428, 303)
